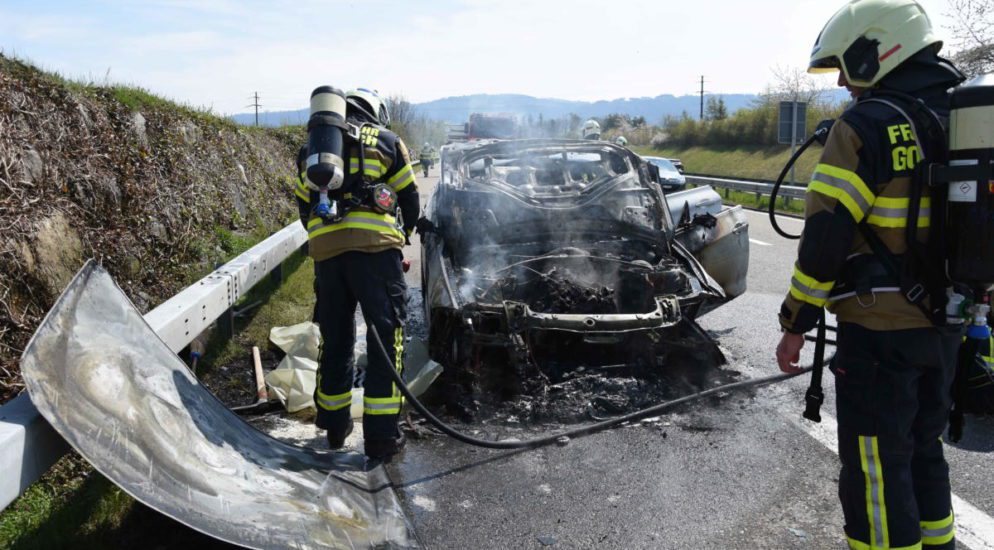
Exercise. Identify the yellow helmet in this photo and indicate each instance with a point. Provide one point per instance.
(867, 39)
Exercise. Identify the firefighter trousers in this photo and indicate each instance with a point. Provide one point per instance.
(893, 395)
(374, 281)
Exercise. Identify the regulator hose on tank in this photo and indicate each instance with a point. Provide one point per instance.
(563, 436)
(820, 135)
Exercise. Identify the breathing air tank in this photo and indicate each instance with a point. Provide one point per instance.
(971, 201)
(325, 129)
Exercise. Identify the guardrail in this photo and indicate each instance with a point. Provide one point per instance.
(28, 444)
(759, 188)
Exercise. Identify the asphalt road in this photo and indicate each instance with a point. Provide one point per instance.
(742, 471)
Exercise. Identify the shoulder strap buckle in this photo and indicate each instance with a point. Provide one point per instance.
(915, 293)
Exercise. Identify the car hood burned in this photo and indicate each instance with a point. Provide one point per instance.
(553, 255)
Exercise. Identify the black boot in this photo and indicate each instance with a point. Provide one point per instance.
(337, 441)
(384, 448)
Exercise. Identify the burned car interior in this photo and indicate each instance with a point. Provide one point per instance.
(543, 256)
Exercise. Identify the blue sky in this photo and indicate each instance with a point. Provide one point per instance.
(216, 53)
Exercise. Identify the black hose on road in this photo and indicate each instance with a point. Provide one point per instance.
(576, 432)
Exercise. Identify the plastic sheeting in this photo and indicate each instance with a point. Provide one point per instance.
(293, 381)
(106, 382)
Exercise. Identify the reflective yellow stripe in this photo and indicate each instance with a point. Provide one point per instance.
(301, 189)
(398, 361)
(860, 545)
(381, 405)
(381, 223)
(844, 186)
(893, 212)
(876, 507)
(333, 402)
(400, 174)
(808, 289)
(404, 183)
(939, 532)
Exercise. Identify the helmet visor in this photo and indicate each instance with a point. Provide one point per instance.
(824, 65)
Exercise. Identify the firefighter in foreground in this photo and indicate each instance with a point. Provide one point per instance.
(894, 366)
(356, 241)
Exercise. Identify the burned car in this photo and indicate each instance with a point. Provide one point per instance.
(540, 256)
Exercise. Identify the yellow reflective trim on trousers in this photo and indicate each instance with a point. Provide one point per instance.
(398, 360)
(306, 197)
(333, 402)
(936, 533)
(808, 289)
(844, 186)
(876, 507)
(381, 405)
(860, 545)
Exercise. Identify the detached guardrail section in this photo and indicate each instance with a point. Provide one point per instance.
(29, 446)
(759, 188)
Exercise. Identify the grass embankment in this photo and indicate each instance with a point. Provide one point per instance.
(754, 163)
(73, 506)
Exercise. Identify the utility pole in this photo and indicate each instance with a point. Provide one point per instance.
(702, 97)
(256, 105)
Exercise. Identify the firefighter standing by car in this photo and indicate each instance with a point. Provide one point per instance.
(356, 241)
(894, 367)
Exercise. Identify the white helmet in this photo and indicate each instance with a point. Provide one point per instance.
(370, 102)
(591, 129)
(867, 39)
(620, 140)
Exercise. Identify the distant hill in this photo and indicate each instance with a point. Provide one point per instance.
(456, 110)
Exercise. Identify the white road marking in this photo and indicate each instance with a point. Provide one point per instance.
(974, 528)
(759, 242)
(779, 216)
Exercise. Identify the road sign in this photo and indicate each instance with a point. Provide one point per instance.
(788, 114)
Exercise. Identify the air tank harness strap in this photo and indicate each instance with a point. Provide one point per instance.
(326, 120)
(814, 397)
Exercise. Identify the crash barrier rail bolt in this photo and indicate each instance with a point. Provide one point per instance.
(28, 444)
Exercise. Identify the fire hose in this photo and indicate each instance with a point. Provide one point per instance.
(565, 435)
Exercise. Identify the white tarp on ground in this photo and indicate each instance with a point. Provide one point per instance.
(106, 382)
(294, 380)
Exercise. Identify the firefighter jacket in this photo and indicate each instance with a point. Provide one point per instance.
(864, 176)
(362, 228)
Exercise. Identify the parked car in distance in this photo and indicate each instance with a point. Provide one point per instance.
(670, 178)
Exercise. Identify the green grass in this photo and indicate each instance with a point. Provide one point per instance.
(70, 504)
(762, 163)
(287, 304)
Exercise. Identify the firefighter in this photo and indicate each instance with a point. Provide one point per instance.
(425, 158)
(358, 261)
(591, 130)
(621, 140)
(894, 367)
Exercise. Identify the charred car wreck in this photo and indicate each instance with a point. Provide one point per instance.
(543, 256)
